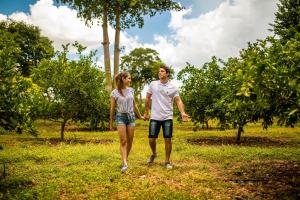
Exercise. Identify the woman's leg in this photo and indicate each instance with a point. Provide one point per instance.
(123, 142)
(129, 137)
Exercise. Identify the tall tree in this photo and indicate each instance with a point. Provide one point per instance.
(33, 46)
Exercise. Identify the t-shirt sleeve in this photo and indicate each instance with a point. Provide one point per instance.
(114, 94)
(150, 88)
(132, 91)
(176, 93)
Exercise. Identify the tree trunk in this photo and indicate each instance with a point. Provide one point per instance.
(239, 133)
(62, 130)
(141, 98)
(117, 43)
(206, 123)
(106, 48)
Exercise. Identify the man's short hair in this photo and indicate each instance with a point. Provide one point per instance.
(166, 68)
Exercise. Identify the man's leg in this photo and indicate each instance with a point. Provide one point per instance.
(168, 148)
(168, 133)
(152, 143)
(154, 127)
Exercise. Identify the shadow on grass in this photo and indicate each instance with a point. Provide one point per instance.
(56, 141)
(8, 185)
(265, 180)
(245, 141)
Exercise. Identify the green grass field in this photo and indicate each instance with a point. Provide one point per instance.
(207, 165)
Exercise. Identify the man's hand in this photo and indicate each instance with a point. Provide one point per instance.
(184, 117)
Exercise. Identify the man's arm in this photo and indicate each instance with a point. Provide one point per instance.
(180, 106)
(147, 106)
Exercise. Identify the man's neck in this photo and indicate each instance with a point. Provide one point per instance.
(164, 81)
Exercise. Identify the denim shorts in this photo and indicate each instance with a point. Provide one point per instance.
(126, 119)
(154, 128)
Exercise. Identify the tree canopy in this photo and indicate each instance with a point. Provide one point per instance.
(33, 46)
(73, 89)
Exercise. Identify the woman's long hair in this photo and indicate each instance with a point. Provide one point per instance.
(120, 82)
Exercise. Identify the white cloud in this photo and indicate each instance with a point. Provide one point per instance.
(222, 32)
(62, 26)
(2, 17)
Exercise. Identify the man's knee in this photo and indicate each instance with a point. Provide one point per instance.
(152, 140)
(168, 140)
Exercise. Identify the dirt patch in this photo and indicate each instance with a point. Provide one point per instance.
(55, 141)
(265, 180)
(245, 141)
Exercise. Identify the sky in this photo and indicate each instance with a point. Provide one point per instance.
(205, 28)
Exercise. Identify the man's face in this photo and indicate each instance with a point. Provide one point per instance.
(162, 74)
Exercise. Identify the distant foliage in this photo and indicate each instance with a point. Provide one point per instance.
(143, 65)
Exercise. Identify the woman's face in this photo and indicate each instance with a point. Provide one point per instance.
(127, 80)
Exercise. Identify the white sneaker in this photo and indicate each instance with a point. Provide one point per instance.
(169, 166)
(151, 159)
(124, 168)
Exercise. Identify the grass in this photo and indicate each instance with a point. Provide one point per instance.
(207, 165)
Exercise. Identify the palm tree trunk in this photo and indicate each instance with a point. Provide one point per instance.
(117, 42)
(106, 48)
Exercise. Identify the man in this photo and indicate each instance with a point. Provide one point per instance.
(163, 93)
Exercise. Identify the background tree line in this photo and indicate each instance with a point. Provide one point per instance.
(47, 84)
(262, 83)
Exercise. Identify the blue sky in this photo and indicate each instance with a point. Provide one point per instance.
(154, 25)
(204, 29)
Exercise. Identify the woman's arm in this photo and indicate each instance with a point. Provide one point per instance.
(137, 111)
(112, 112)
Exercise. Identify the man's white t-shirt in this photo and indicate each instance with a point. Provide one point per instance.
(162, 99)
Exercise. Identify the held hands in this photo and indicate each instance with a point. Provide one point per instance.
(145, 117)
(142, 117)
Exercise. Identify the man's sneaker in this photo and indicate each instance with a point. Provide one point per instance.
(151, 159)
(169, 166)
(124, 168)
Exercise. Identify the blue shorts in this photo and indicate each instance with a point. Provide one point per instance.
(154, 128)
(125, 119)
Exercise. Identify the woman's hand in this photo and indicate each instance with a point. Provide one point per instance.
(142, 117)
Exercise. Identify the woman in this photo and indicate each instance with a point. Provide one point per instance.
(122, 101)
